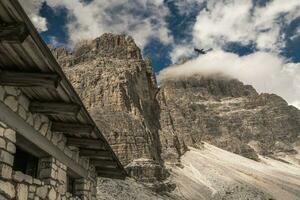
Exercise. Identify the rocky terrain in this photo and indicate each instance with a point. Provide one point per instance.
(119, 88)
(226, 113)
(211, 173)
(151, 127)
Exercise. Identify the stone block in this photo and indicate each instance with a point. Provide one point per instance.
(61, 176)
(11, 90)
(1, 131)
(42, 191)
(68, 152)
(44, 119)
(6, 157)
(55, 138)
(24, 102)
(44, 128)
(22, 112)
(61, 145)
(49, 135)
(32, 188)
(18, 176)
(62, 188)
(10, 135)
(7, 189)
(52, 194)
(30, 119)
(5, 171)
(37, 181)
(28, 179)
(12, 103)
(31, 195)
(11, 147)
(37, 122)
(2, 143)
(22, 192)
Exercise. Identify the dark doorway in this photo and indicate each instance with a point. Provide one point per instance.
(25, 163)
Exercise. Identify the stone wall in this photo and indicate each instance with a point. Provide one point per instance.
(52, 174)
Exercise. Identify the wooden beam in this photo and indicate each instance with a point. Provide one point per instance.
(113, 168)
(13, 32)
(94, 153)
(86, 143)
(14, 121)
(103, 163)
(111, 172)
(111, 176)
(52, 108)
(18, 79)
(71, 127)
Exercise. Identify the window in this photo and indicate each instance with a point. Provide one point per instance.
(25, 163)
(71, 184)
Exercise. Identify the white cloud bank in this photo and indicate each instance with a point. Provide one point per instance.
(142, 19)
(265, 71)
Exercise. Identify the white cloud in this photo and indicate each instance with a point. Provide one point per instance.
(142, 19)
(267, 72)
(33, 9)
(180, 52)
(240, 21)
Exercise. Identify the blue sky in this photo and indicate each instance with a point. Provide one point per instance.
(242, 33)
(180, 26)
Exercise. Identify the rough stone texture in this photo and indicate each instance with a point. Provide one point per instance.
(52, 182)
(225, 113)
(148, 125)
(119, 89)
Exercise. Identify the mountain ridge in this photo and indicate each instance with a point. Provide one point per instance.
(151, 127)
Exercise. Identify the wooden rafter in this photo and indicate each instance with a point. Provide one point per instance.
(13, 32)
(71, 127)
(94, 153)
(53, 108)
(86, 143)
(103, 163)
(22, 79)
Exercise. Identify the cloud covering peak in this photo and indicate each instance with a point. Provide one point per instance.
(267, 72)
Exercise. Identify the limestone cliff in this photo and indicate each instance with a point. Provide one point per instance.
(118, 87)
(149, 125)
(226, 113)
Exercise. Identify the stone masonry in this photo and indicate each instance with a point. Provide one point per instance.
(51, 183)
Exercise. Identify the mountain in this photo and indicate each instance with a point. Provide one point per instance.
(119, 89)
(152, 127)
(226, 113)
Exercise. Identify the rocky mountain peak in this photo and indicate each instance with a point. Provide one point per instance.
(111, 46)
(149, 127)
(106, 46)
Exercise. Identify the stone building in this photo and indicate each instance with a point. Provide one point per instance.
(50, 148)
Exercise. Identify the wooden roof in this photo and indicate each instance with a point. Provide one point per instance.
(27, 63)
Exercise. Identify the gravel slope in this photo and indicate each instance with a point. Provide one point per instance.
(212, 173)
(215, 174)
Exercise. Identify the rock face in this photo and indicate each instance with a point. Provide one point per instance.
(149, 125)
(118, 87)
(225, 113)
